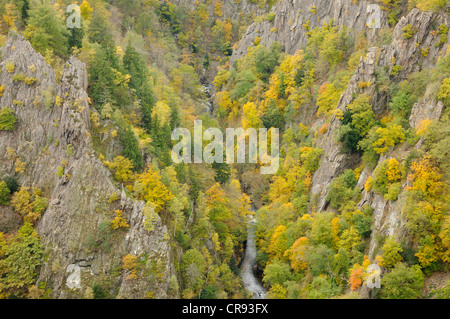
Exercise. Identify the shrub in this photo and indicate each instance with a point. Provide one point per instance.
(7, 119)
(12, 184)
(270, 16)
(19, 166)
(130, 264)
(431, 5)
(30, 80)
(443, 30)
(396, 69)
(386, 175)
(393, 192)
(368, 184)
(119, 221)
(408, 31)
(10, 67)
(60, 171)
(324, 128)
(390, 136)
(444, 92)
(19, 77)
(21, 259)
(40, 204)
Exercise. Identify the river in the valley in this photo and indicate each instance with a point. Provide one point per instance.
(251, 282)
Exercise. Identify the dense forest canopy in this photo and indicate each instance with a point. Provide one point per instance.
(154, 66)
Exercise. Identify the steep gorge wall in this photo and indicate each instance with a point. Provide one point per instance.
(414, 53)
(294, 17)
(71, 227)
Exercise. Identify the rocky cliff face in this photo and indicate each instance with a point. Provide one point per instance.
(230, 9)
(294, 18)
(406, 54)
(52, 131)
(387, 215)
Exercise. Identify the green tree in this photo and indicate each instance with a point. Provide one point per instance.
(101, 79)
(321, 229)
(147, 102)
(402, 283)
(363, 117)
(46, 29)
(320, 259)
(193, 267)
(12, 184)
(131, 147)
(273, 116)
(245, 80)
(444, 92)
(266, 60)
(134, 64)
(99, 30)
(20, 259)
(342, 189)
(209, 292)
(323, 288)
(223, 172)
(277, 272)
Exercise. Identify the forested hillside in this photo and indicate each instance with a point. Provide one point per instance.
(92, 204)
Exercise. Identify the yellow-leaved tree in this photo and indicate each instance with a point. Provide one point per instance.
(387, 137)
(122, 169)
(149, 187)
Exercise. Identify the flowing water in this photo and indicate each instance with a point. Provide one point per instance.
(251, 282)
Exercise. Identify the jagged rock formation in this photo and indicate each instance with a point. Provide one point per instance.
(388, 219)
(294, 18)
(427, 109)
(406, 54)
(53, 127)
(230, 9)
